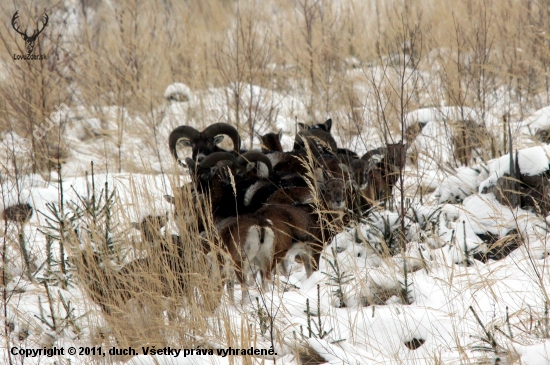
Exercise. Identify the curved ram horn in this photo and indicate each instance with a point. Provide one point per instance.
(227, 129)
(254, 156)
(215, 157)
(178, 134)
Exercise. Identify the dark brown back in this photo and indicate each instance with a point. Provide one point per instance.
(289, 196)
(271, 142)
(20, 213)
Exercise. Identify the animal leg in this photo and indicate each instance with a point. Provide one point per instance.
(306, 256)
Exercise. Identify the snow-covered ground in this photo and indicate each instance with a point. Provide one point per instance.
(459, 310)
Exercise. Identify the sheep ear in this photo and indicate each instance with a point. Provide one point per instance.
(351, 184)
(376, 159)
(370, 165)
(186, 142)
(343, 167)
(321, 186)
(190, 163)
(218, 139)
(319, 174)
(328, 125)
(136, 225)
(170, 199)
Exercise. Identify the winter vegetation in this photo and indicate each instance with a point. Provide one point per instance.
(307, 181)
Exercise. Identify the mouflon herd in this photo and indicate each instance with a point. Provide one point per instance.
(269, 206)
(254, 211)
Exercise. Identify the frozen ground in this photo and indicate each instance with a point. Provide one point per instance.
(460, 310)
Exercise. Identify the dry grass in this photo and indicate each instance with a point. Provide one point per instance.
(147, 305)
(126, 53)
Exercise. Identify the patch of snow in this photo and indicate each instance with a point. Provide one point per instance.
(178, 92)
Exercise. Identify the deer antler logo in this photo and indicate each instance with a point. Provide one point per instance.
(29, 40)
